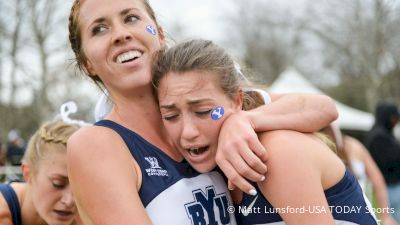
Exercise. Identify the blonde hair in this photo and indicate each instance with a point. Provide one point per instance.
(204, 55)
(328, 141)
(45, 140)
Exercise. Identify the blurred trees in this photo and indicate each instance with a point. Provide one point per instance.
(35, 75)
(358, 40)
(361, 40)
(258, 33)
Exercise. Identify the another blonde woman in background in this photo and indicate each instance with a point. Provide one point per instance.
(45, 197)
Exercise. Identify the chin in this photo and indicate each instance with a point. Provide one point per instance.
(204, 168)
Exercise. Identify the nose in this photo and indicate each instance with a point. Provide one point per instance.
(120, 34)
(189, 130)
(68, 198)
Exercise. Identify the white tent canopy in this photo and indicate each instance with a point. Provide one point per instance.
(349, 118)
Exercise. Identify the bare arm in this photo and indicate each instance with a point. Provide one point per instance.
(103, 175)
(378, 183)
(299, 112)
(5, 214)
(297, 177)
(380, 189)
(240, 155)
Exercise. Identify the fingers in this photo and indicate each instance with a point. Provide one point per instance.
(244, 162)
(246, 165)
(256, 147)
(231, 186)
(235, 180)
(254, 163)
(255, 156)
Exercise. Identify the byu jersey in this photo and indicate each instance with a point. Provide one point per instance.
(346, 201)
(173, 192)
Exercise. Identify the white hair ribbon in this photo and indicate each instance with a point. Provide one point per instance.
(68, 108)
(103, 106)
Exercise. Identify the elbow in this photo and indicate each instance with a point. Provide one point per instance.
(331, 110)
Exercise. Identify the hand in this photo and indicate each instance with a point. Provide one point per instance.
(240, 154)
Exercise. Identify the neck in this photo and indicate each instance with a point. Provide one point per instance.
(29, 213)
(141, 114)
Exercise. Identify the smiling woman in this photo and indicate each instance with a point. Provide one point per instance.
(45, 197)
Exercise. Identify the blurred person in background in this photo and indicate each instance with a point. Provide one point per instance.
(45, 197)
(2, 160)
(369, 176)
(385, 150)
(2, 154)
(15, 148)
(359, 161)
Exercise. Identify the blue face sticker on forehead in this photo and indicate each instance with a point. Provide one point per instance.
(217, 113)
(151, 29)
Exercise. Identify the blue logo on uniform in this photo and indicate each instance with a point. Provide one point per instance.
(151, 29)
(217, 113)
(201, 211)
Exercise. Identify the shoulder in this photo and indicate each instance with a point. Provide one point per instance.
(94, 141)
(293, 142)
(98, 156)
(354, 147)
(97, 149)
(290, 151)
(293, 154)
(91, 136)
(5, 214)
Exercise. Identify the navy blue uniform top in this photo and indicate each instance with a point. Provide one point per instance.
(346, 201)
(12, 200)
(173, 192)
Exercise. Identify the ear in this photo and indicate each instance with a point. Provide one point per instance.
(88, 68)
(26, 172)
(239, 99)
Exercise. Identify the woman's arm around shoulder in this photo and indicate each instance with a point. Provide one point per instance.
(296, 167)
(299, 112)
(240, 155)
(104, 178)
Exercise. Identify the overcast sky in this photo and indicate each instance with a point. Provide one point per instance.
(206, 18)
(197, 18)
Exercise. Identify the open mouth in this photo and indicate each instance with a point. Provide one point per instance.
(197, 151)
(64, 214)
(128, 56)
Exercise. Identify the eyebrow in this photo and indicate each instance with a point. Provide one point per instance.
(122, 13)
(58, 176)
(193, 102)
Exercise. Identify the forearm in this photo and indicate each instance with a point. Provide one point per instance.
(382, 202)
(380, 191)
(378, 184)
(300, 112)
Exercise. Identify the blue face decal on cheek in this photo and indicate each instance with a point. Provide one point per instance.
(217, 113)
(151, 30)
